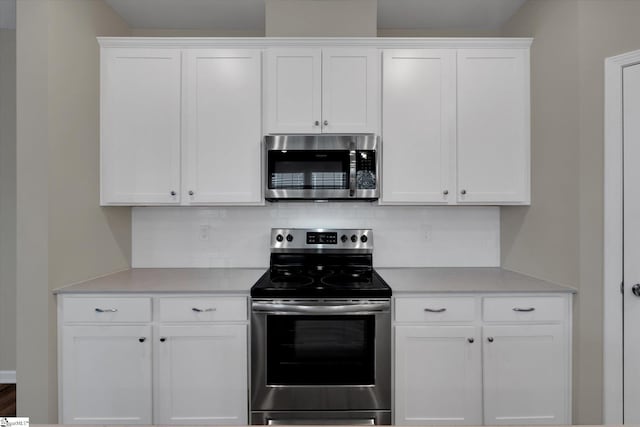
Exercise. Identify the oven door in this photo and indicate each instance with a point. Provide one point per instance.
(320, 355)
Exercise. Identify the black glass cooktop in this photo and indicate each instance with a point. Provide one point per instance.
(321, 276)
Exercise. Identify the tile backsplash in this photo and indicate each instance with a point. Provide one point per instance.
(407, 236)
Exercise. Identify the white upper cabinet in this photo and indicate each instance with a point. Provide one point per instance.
(456, 126)
(222, 126)
(350, 90)
(181, 127)
(418, 125)
(182, 121)
(294, 90)
(493, 126)
(140, 126)
(314, 90)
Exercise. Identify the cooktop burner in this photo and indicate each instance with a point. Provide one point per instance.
(321, 263)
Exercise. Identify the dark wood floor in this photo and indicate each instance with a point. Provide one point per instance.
(7, 400)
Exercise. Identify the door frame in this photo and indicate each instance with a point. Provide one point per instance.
(613, 236)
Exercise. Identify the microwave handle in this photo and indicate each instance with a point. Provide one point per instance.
(352, 168)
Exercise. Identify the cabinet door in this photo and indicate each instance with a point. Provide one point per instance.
(438, 375)
(293, 93)
(222, 125)
(418, 126)
(140, 126)
(202, 375)
(350, 90)
(526, 375)
(493, 126)
(106, 375)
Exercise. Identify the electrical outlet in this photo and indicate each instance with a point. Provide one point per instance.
(426, 232)
(204, 232)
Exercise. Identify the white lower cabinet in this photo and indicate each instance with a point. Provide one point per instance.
(447, 393)
(502, 360)
(187, 355)
(106, 374)
(525, 378)
(201, 360)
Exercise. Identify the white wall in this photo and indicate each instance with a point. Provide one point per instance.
(239, 236)
(7, 199)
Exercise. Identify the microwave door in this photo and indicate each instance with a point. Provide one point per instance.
(303, 174)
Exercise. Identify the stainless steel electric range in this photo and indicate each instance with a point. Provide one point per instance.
(321, 332)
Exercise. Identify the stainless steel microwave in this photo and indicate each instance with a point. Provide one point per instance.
(322, 167)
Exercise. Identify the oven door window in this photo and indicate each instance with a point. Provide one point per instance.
(317, 169)
(320, 350)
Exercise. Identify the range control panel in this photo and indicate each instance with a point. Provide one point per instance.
(321, 239)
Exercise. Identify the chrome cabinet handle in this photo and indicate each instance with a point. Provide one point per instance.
(435, 310)
(142, 339)
(490, 339)
(445, 192)
(316, 123)
(106, 310)
(190, 193)
(203, 310)
(163, 339)
(471, 340)
(524, 310)
(326, 122)
(463, 192)
(173, 193)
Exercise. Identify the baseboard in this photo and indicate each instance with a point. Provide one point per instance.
(7, 377)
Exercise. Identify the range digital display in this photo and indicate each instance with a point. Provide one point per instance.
(325, 238)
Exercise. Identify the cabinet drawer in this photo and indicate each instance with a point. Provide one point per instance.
(107, 310)
(435, 309)
(523, 309)
(203, 309)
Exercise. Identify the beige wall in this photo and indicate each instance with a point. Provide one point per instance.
(211, 32)
(559, 237)
(327, 18)
(424, 32)
(63, 235)
(7, 199)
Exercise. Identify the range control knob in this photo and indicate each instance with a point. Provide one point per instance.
(279, 238)
(289, 237)
(364, 238)
(344, 238)
(354, 238)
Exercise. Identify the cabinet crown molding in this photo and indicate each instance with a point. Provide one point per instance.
(263, 42)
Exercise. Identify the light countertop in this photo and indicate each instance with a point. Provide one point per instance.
(184, 280)
(464, 279)
(238, 281)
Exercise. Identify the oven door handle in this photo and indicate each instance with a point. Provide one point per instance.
(320, 421)
(320, 309)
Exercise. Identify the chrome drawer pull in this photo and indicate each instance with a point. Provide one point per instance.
(200, 310)
(106, 310)
(524, 310)
(435, 310)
